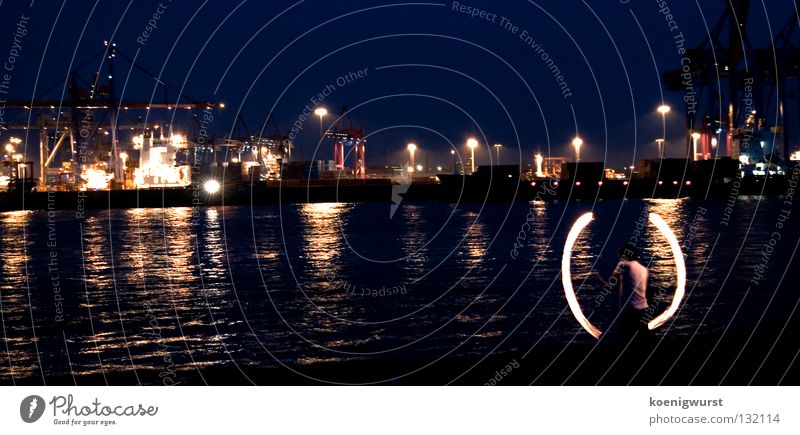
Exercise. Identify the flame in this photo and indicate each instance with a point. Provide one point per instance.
(680, 268)
(566, 277)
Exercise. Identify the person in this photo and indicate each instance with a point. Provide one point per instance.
(632, 278)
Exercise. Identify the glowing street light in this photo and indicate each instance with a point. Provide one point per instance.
(663, 110)
(212, 186)
(321, 112)
(660, 144)
(412, 147)
(497, 147)
(472, 143)
(453, 153)
(539, 160)
(695, 137)
(577, 142)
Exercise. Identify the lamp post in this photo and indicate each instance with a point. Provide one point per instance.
(455, 169)
(321, 112)
(577, 143)
(695, 137)
(497, 147)
(660, 145)
(472, 143)
(539, 160)
(663, 110)
(411, 149)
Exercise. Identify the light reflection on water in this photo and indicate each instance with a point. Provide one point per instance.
(165, 290)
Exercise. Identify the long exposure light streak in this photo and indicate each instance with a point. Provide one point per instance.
(566, 276)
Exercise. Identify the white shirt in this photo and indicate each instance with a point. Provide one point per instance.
(633, 277)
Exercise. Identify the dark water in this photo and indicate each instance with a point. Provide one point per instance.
(155, 291)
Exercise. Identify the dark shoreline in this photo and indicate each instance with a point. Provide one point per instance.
(577, 364)
(455, 189)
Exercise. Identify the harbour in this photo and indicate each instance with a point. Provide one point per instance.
(479, 193)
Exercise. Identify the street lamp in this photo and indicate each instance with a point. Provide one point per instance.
(539, 160)
(124, 157)
(472, 143)
(577, 142)
(695, 137)
(663, 110)
(497, 147)
(660, 144)
(411, 148)
(321, 112)
(455, 170)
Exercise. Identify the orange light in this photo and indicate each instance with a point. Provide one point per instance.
(566, 276)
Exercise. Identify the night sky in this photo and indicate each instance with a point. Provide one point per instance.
(431, 75)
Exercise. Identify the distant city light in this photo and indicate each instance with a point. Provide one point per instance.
(411, 147)
(472, 143)
(577, 143)
(212, 186)
(539, 160)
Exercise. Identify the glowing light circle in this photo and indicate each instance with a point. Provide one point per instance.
(566, 276)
